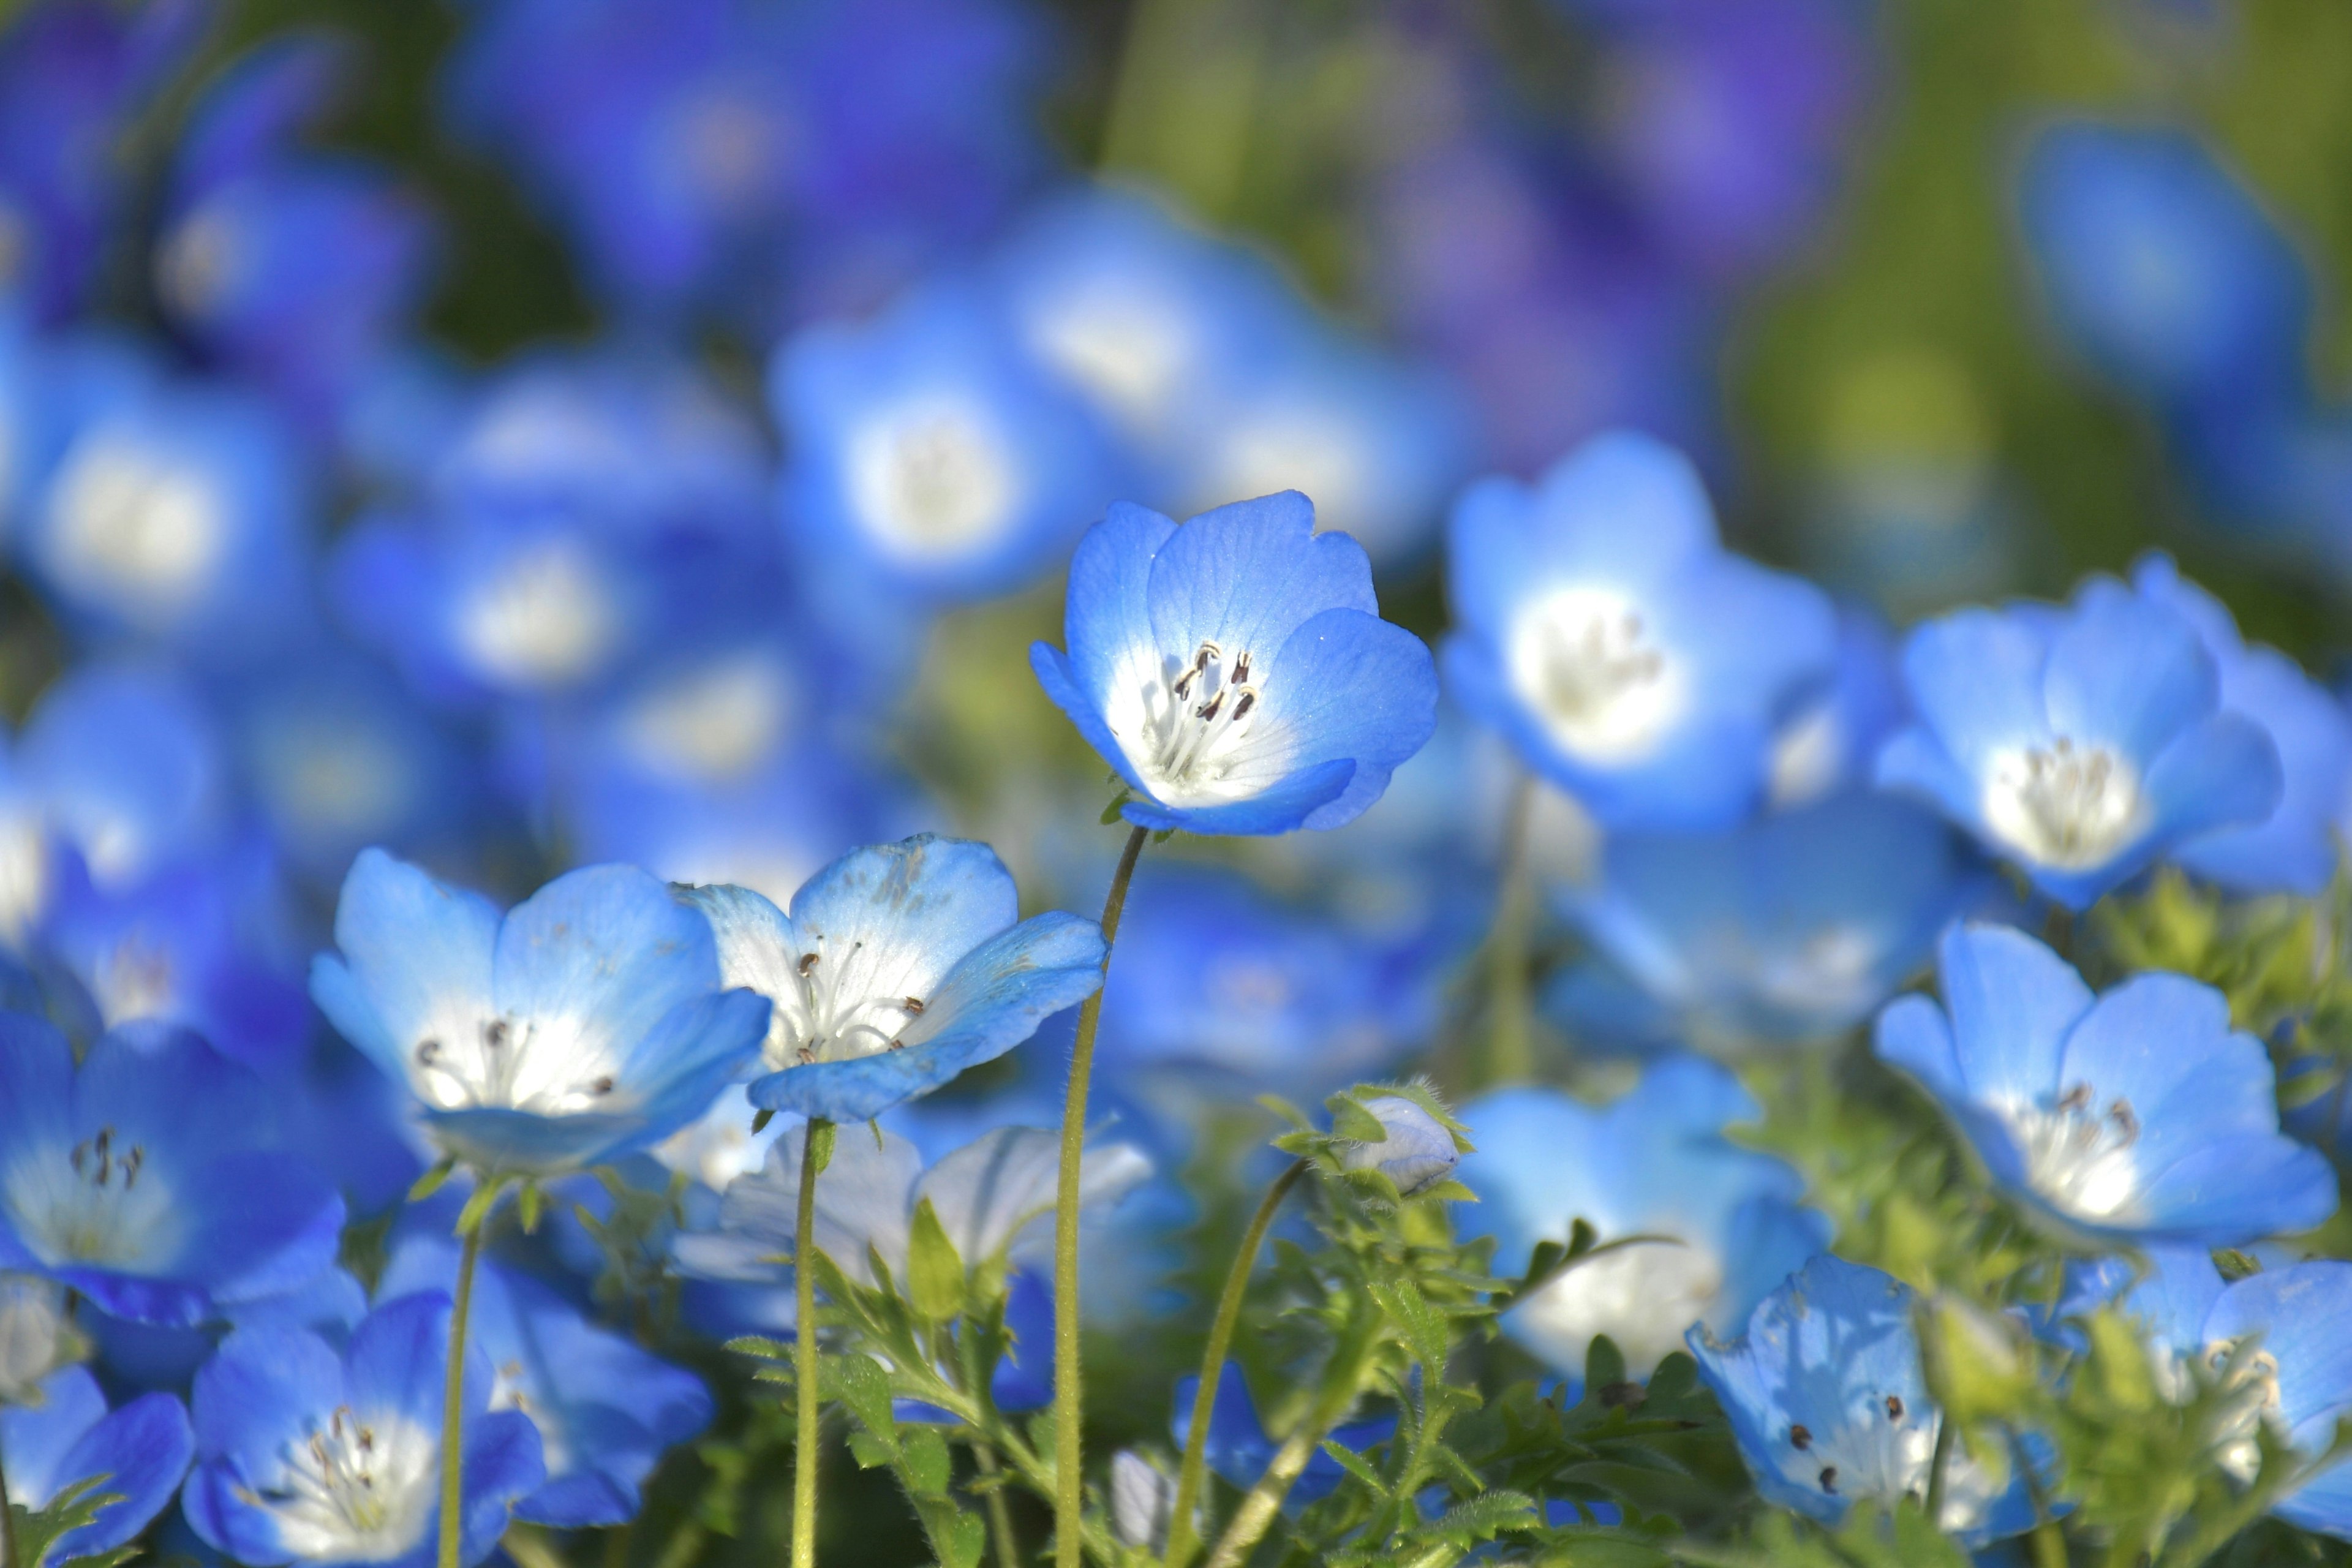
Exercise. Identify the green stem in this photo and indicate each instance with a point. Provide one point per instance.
(8, 1523)
(1069, 1481)
(1258, 1508)
(452, 1398)
(1938, 1464)
(805, 1381)
(1000, 1515)
(1510, 1031)
(1181, 1539)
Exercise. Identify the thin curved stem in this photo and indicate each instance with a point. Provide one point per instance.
(452, 1398)
(1069, 1481)
(1262, 1500)
(7, 1522)
(1180, 1539)
(805, 1382)
(1939, 1462)
(1510, 1031)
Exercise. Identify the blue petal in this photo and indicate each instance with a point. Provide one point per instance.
(1752, 638)
(2237, 1190)
(399, 1358)
(37, 1439)
(142, 1451)
(415, 954)
(1346, 685)
(2221, 773)
(503, 1461)
(2304, 1313)
(2152, 1034)
(609, 948)
(897, 917)
(1107, 617)
(1279, 808)
(1245, 576)
(2011, 1002)
(1975, 679)
(1914, 763)
(2127, 674)
(251, 1401)
(1914, 1035)
(1060, 683)
(2294, 850)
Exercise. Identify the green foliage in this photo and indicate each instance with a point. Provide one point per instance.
(38, 1531)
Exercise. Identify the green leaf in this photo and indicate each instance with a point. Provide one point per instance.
(864, 1390)
(1110, 813)
(1487, 1515)
(1349, 1120)
(870, 1452)
(38, 1531)
(1355, 1465)
(431, 1180)
(1424, 1327)
(820, 1144)
(934, 1272)
(759, 1120)
(527, 1201)
(923, 1461)
(478, 1207)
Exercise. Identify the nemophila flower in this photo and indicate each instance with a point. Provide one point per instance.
(2082, 743)
(1723, 1224)
(37, 1336)
(1629, 659)
(2135, 1116)
(588, 1022)
(2159, 265)
(1235, 670)
(304, 1454)
(1795, 926)
(2294, 849)
(898, 966)
(1830, 743)
(1239, 1447)
(1417, 1153)
(927, 456)
(1825, 1396)
(147, 1178)
(605, 1410)
(66, 1436)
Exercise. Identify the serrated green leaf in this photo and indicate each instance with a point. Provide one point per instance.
(1487, 1515)
(760, 1345)
(864, 1390)
(923, 1461)
(1355, 1465)
(40, 1530)
(935, 1283)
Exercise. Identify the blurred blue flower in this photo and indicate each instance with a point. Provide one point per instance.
(1826, 1398)
(2160, 267)
(1830, 743)
(929, 459)
(1628, 657)
(36, 1335)
(137, 1452)
(1720, 1225)
(305, 1455)
(587, 1023)
(2135, 1116)
(2294, 849)
(1235, 670)
(900, 966)
(605, 1410)
(1793, 927)
(1239, 1447)
(146, 1176)
(2081, 741)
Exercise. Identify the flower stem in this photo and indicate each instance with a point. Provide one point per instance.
(453, 1399)
(814, 1147)
(1938, 1463)
(1264, 1499)
(1000, 1514)
(7, 1522)
(1069, 1482)
(1213, 1364)
(1510, 1044)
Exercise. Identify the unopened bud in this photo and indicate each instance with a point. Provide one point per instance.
(1418, 1152)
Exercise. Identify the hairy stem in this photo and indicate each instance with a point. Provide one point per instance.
(1000, 1514)
(452, 1397)
(1181, 1539)
(805, 1382)
(1510, 1034)
(1069, 1488)
(1258, 1508)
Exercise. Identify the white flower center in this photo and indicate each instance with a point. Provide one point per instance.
(1834, 968)
(136, 529)
(198, 260)
(1808, 754)
(1128, 351)
(549, 1067)
(2254, 1390)
(829, 1014)
(2078, 1153)
(714, 725)
(726, 142)
(933, 479)
(511, 1390)
(329, 776)
(1186, 725)
(1585, 661)
(134, 979)
(2064, 805)
(24, 874)
(1643, 1296)
(547, 618)
(98, 1203)
(1883, 1446)
(359, 1491)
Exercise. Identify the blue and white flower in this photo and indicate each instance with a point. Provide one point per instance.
(2135, 1116)
(145, 1177)
(1235, 670)
(2082, 744)
(66, 1436)
(304, 1454)
(1719, 1225)
(1629, 659)
(589, 1022)
(898, 966)
(1825, 1396)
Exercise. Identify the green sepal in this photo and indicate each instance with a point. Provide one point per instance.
(935, 1283)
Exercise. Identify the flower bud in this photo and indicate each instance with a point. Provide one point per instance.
(1418, 1152)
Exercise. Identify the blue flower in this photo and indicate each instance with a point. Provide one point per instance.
(587, 1023)
(605, 1410)
(1235, 670)
(1793, 927)
(1726, 1221)
(145, 1178)
(2135, 1116)
(1826, 1398)
(137, 1452)
(37, 1336)
(900, 966)
(2294, 848)
(306, 1456)
(2081, 742)
(1239, 1448)
(1630, 660)
(929, 459)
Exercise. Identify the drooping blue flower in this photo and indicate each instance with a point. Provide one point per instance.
(898, 966)
(306, 1455)
(1825, 1396)
(605, 1410)
(589, 1022)
(1726, 1222)
(1235, 670)
(147, 1177)
(1628, 657)
(2292, 849)
(137, 1452)
(1239, 1447)
(2082, 744)
(1794, 927)
(2137, 1116)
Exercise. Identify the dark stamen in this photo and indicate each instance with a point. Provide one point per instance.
(1829, 1479)
(1800, 1437)
(1894, 1408)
